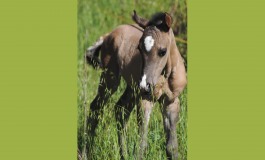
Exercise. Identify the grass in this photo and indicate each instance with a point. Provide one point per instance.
(99, 17)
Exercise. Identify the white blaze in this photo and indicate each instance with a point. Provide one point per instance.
(148, 42)
(143, 83)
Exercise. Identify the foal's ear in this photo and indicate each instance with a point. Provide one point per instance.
(168, 19)
(139, 20)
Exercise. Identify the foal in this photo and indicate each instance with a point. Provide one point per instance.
(148, 59)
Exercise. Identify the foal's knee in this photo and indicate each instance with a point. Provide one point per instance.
(173, 110)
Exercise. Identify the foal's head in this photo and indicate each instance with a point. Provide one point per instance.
(154, 46)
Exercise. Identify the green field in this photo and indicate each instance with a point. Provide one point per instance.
(96, 18)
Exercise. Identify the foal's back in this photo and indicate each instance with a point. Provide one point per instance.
(120, 52)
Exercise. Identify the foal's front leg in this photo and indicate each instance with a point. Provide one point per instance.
(146, 107)
(170, 113)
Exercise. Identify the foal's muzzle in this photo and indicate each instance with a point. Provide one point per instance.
(146, 89)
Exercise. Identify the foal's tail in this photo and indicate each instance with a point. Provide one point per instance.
(92, 53)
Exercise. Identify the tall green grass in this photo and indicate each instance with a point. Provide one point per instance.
(96, 18)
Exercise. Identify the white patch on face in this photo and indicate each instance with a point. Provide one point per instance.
(143, 83)
(148, 42)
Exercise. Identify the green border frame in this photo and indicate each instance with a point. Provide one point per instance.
(226, 80)
(38, 79)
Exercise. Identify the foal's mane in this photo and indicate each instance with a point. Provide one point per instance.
(158, 20)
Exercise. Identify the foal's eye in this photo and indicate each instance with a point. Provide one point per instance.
(162, 52)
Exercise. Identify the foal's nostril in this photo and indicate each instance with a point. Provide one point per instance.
(148, 87)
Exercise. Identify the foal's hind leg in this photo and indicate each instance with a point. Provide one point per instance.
(123, 109)
(170, 112)
(108, 85)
